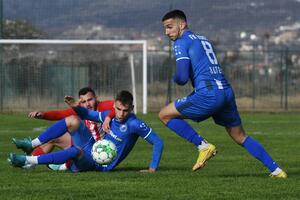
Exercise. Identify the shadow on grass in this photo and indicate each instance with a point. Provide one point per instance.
(160, 169)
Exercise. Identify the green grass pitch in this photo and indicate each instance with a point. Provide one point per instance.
(232, 174)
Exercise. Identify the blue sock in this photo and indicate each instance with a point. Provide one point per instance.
(59, 157)
(54, 131)
(184, 130)
(258, 151)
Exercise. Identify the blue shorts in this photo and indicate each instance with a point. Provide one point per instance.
(83, 139)
(84, 163)
(216, 103)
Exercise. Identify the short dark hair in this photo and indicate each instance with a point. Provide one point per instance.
(179, 14)
(85, 90)
(125, 98)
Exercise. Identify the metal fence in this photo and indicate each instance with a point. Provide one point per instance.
(262, 80)
(37, 77)
(265, 80)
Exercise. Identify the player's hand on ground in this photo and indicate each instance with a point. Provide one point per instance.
(105, 125)
(36, 114)
(71, 101)
(150, 170)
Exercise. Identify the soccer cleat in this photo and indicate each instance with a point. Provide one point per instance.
(57, 167)
(17, 160)
(282, 174)
(204, 156)
(24, 144)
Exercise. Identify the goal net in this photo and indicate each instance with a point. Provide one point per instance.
(37, 74)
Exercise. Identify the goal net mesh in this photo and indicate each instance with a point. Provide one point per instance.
(38, 76)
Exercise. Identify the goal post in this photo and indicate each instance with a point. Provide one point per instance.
(143, 43)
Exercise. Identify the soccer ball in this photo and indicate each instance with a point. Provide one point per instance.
(104, 151)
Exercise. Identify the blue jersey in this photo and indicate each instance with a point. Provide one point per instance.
(203, 66)
(124, 135)
(212, 95)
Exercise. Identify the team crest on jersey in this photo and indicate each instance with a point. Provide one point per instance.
(123, 128)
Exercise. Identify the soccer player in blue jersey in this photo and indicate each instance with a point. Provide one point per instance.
(125, 129)
(212, 96)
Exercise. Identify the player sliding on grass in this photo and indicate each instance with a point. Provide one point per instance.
(212, 95)
(87, 99)
(125, 129)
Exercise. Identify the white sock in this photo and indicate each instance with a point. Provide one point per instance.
(276, 171)
(32, 160)
(63, 167)
(35, 142)
(203, 145)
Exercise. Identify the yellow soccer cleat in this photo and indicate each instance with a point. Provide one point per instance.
(204, 156)
(282, 174)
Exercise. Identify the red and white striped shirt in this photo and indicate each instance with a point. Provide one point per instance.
(94, 127)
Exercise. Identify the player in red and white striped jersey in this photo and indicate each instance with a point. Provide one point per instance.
(88, 99)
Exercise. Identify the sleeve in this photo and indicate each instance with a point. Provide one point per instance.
(92, 115)
(143, 130)
(58, 114)
(182, 72)
(183, 62)
(181, 50)
(107, 105)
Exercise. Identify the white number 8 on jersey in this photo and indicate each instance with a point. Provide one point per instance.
(209, 52)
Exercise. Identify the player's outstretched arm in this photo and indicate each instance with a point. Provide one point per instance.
(143, 130)
(36, 114)
(158, 146)
(52, 114)
(71, 101)
(82, 112)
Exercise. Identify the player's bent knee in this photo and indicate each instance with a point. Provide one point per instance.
(77, 151)
(72, 122)
(237, 134)
(163, 117)
(239, 137)
(160, 115)
(239, 141)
